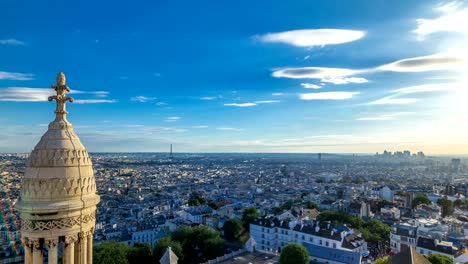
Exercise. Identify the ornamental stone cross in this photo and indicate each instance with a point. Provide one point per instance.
(61, 98)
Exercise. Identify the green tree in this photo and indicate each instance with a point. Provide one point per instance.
(375, 230)
(233, 229)
(139, 253)
(248, 216)
(111, 252)
(277, 210)
(287, 205)
(446, 206)
(382, 260)
(311, 205)
(439, 259)
(196, 200)
(201, 243)
(294, 253)
(162, 246)
(420, 199)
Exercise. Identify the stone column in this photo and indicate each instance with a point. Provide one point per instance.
(37, 251)
(27, 250)
(69, 249)
(90, 246)
(83, 247)
(53, 253)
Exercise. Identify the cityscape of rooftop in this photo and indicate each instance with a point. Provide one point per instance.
(249, 132)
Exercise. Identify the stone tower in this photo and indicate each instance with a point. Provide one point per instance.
(58, 193)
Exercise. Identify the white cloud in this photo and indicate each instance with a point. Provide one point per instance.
(28, 94)
(161, 104)
(324, 74)
(133, 126)
(25, 94)
(344, 80)
(142, 99)
(199, 126)
(452, 17)
(157, 74)
(383, 117)
(440, 61)
(267, 102)
(307, 57)
(12, 42)
(394, 101)
(310, 86)
(277, 94)
(16, 76)
(173, 119)
(208, 98)
(241, 104)
(94, 101)
(313, 37)
(376, 118)
(328, 96)
(428, 88)
(229, 129)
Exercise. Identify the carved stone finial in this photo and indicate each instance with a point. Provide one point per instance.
(61, 79)
(61, 98)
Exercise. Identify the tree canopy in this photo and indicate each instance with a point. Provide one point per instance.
(446, 206)
(111, 252)
(420, 199)
(439, 259)
(248, 216)
(196, 200)
(233, 229)
(294, 253)
(199, 244)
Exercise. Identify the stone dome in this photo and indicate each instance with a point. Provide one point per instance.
(58, 194)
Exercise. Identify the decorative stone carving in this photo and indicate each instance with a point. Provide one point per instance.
(70, 222)
(61, 98)
(36, 244)
(58, 190)
(70, 239)
(51, 242)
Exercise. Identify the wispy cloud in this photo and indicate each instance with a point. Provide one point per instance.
(94, 101)
(241, 104)
(16, 76)
(161, 104)
(267, 102)
(28, 94)
(384, 117)
(12, 42)
(428, 88)
(142, 99)
(434, 62)
(452, 17)
(440, 61)
(394, 101)
(312, 37)
(132, 126)
(199, 126)
(157, 74)
(278, 94)
(328, 96)
(310, 86)
(229, 129)
(324, 74)
(172, 119)
(208, 98)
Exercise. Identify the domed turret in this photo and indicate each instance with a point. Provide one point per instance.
(58, 193)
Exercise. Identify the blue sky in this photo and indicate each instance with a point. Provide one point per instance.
(239, 76)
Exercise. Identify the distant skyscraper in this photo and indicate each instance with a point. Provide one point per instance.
(319, 156)
(58, 194)
(170, 153)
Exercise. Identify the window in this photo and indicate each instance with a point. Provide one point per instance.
(326, 243)
(320, 242)
(303, 237)
(311, 239)
(334, 245)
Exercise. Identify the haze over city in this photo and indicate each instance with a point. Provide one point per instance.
(243, 76)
